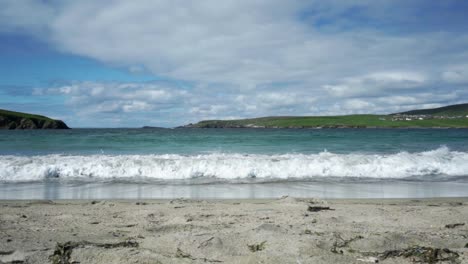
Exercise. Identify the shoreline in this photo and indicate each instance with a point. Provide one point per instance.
(238, 200)
(57, 190)
(284, 230)
(318, 128)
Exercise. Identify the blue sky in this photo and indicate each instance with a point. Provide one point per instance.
(166, 63)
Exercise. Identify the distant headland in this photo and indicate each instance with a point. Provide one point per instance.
(17, 120)
(452, 116)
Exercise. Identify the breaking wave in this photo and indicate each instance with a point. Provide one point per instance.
(441, 161)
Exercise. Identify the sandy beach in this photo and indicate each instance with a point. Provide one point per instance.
(285, 230)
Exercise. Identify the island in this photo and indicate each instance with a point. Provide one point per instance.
(152, 127)
(453, 116)
(18, 120)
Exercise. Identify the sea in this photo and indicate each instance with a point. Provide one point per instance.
(233, 163)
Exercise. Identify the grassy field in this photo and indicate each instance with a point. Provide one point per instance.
(333, 121)
(450, 110)
(7, 113)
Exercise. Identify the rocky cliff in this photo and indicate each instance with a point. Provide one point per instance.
(17, 120)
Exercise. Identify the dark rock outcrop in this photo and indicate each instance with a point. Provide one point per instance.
(16, 120)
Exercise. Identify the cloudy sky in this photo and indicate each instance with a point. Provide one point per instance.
(124, 63)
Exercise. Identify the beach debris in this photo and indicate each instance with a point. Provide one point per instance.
(62, 252)
(454, 225)
(215, 242)
(179, 201)
(287, 199)
(257, 247)
(182, 254)
(206, 242)
(307, 232)
(291, 200)
(369, 260)
(422, 254)
(118, 233)
(206, 215)
(341, 243)
(317, 208)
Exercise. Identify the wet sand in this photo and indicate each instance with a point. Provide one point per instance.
(285, 230)
(327, 189)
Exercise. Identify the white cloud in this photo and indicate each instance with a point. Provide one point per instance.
(140, 103)
(208, 110)
(246, 43)
(358, 105)
(376, 84)
(97, 97)
(247, 58)
(26, 16)
(456, 74)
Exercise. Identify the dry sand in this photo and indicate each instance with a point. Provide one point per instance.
(286, 230)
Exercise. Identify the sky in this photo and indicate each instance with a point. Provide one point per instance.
(121, 63)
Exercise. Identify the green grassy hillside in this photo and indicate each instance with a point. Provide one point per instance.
(452, 116)
(348, 121)
(22, 115)
(451, 110)
(18, 120)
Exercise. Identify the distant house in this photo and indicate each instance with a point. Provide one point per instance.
(404, 117)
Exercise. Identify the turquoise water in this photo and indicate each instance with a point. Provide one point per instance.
(233, 163)
(254, 141)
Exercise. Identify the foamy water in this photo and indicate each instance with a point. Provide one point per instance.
(441, 161)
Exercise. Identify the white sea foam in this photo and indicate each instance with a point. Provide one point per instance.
(441, 161)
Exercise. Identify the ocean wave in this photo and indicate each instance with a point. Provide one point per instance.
(441, 161)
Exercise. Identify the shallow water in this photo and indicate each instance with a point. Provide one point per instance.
(233, 163)
(206, 141)
(399, 189)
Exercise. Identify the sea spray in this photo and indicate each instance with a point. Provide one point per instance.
(441, 161)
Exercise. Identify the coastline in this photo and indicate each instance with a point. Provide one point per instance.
(285, 230)
(321, 127)
(75, 190)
